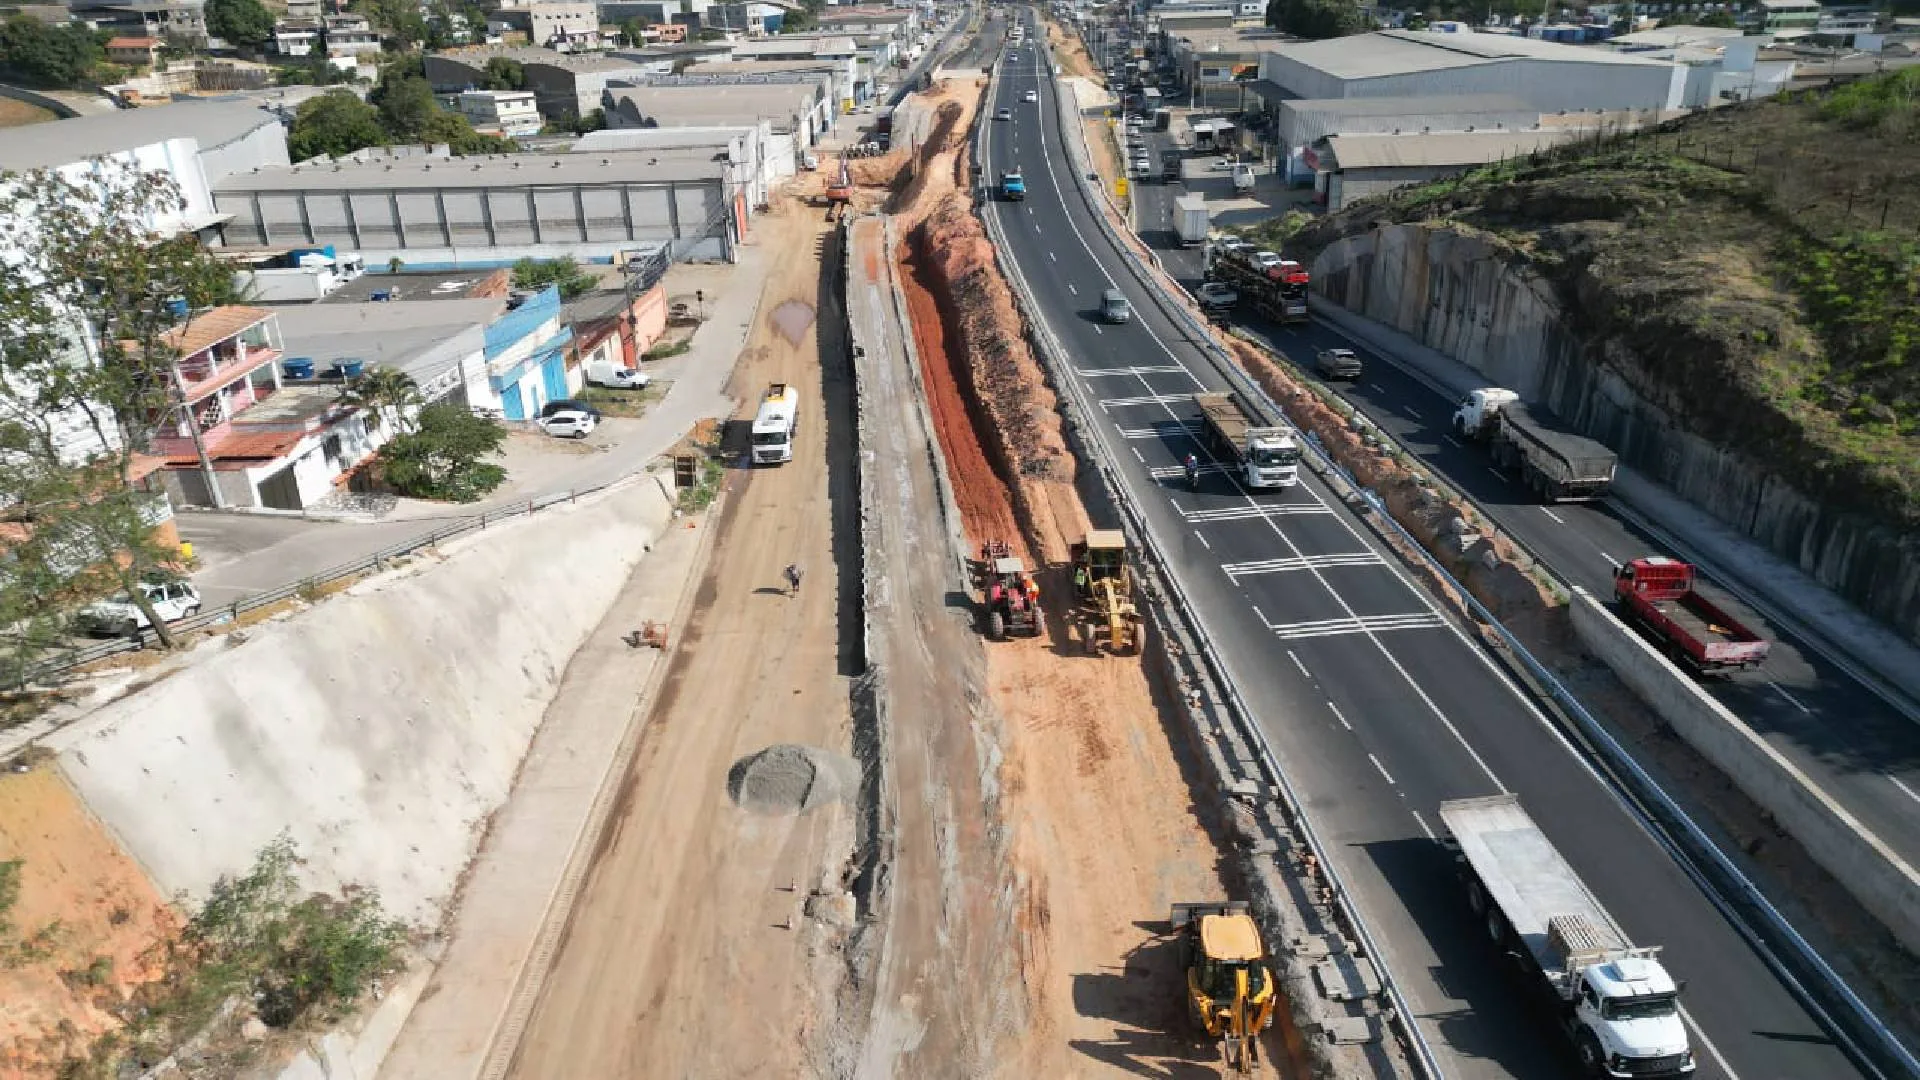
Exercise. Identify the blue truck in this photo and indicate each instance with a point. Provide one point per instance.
(1013, 186)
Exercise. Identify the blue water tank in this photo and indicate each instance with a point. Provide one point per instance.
(350, 369)
(177, 308)
(298, 367)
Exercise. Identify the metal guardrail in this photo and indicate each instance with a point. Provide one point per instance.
(1645, 791)
(227, 613)
(1295, 808)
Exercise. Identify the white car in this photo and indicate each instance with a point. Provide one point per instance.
(1032, 95)
(568, 424)
(120, 615)
(1267, 260)
(1003, 114)
(1216, 295)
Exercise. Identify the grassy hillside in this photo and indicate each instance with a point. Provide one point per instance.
(1761, 263)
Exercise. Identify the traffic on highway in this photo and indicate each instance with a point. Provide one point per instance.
(1379, 704)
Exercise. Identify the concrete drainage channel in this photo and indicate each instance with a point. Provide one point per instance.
(1334, 985)
(1812, 978)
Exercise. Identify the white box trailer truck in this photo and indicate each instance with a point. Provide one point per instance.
(1190, 219)
(774, 424)
(1615, 1000)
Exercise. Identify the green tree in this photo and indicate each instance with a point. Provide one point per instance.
(505, 73)
(406, 106)
(574, 281)
(1317, 19)
(47, 56)
(441, 457)
(90, 309)
(246, 23)
(399, 21)
(633, 31)
(389, 395)
(334, 123)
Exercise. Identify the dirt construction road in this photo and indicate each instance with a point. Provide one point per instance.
(688, 953)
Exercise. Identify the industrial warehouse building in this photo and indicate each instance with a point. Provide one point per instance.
(565, 85)
(1548, 76)
(792, 103)
(481, 211)
(1353, 167)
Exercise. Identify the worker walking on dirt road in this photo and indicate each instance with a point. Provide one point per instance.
(793, 579)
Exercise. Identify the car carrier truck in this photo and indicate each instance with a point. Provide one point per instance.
(1554, 461)
(1266, 456)
(1657, 593)
(1615, 1000)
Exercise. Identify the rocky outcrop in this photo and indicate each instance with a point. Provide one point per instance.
(1472, 298)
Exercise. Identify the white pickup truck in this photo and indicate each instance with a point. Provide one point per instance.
(119, 615)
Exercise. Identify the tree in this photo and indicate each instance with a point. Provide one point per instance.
(399, 20)
(334, 123)
(389, 395)
(89, 312)
(246, 23)
(634, 31)
(1317, 19)
(47, 56)
(573, 280)
(440, 457)
(505, 73)
(406, 106)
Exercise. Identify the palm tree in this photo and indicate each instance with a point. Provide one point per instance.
(383, 392)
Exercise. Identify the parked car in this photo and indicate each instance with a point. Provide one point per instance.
(1003, 114)
(560, 405)
(1114, 307)
(607, 373)
(1216, 295)
(571, 424)
(1337, 363)
(120, 616)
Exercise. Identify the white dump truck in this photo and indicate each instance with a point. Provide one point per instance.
(1614, 999)
(1267, 456)
(1553, 460)
(774, 424)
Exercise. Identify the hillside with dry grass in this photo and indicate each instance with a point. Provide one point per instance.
(1761, 264)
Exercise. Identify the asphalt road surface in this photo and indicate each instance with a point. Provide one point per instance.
(1375, 702)
(1857, 747)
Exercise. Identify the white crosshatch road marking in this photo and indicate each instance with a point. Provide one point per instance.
(1307, 562)
(1363, 624)
(1254, 513)
(1160, 430)
(1160, 369)
(1144, 399)
(1168, 472)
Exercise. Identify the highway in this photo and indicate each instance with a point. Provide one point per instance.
(1378, 706)
(1856, 746)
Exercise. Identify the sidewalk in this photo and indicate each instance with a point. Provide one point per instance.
(249, 553)
(1851, 639)
(533, 856)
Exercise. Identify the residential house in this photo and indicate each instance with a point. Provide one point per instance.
(171, 20)
(295, 37)
(1789, 18)
(243, 436)
(307, 10)
(134, 51)
(526, 359)
(349, 35)
(619, 327)
(501, 112)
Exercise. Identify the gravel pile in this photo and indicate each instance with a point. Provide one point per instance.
(787, 779)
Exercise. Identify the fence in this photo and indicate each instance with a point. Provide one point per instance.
(73, 658)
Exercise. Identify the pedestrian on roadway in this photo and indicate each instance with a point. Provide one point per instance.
(793, 579)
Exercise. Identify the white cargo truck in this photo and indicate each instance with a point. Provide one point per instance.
(774, 424)
(1614, 999)
(1267, 456)
(1190, 219)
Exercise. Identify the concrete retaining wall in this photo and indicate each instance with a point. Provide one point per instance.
(1888, 887)
(1463, 296)
(379, 729)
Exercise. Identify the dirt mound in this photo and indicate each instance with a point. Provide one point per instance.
(788, 779)
(1018, 421)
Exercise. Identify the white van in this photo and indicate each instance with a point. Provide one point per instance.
(608, 373)
(774, 425)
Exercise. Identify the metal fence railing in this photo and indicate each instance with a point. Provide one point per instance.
(69, 659)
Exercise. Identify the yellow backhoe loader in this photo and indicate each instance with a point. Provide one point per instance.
(1230, 991)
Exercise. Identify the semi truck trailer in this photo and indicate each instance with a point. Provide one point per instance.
(1615, 1000)
(1265, 456)
(1554, 461)
(1190, 219)
(1657, 594)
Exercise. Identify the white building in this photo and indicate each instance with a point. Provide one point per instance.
(1547, 76)
(291, 38)
(506, 112)
(349, 35)
(568, 26)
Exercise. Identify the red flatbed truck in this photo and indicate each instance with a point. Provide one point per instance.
(1657, 593)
